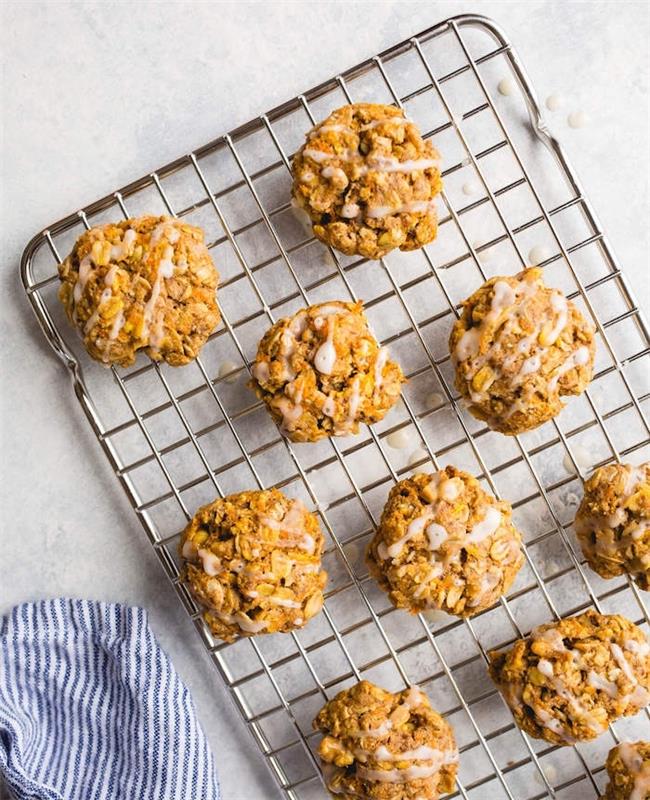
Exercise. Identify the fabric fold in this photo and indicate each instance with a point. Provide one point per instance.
(91, 708)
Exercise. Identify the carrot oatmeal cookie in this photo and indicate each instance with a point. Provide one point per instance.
(368, 181)
(253, 560)
(444, 543)
(518, 348)
(321, 372)
(628, 768)
(613, 522)
(569, 679)
(383, 746)
(141, 284)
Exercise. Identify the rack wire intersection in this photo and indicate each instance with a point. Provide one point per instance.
(176, 438)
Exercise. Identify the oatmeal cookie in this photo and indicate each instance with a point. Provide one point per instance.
(384, 746)
(141, 284)
(444, 543)
(517, 348)
(628, 768)
(613, 522)
(253, 560)
(368, 181)
(321, 372)
(569, 679)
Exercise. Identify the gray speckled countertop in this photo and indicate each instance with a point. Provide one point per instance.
(94, 96)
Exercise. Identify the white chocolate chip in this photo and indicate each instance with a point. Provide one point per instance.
(225, 368)
(399, 439)
(578, 119)
(582, 459)
(419, 454)
(471, 188)
(435, 400)
(506, 86)
(554, 102)
(538, 254)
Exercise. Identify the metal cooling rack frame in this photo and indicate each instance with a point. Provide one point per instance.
(279, 683)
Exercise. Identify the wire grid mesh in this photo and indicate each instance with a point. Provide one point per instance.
(176, 438)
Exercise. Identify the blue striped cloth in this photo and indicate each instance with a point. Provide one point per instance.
(92, 709)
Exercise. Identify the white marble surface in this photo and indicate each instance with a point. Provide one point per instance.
(94, 96)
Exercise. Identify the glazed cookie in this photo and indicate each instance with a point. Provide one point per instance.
(368, 181)
(569, 679)
(384, 746)
(444, 543)
(518, 348)
(321, 373)
(628, 768)
(253, 560)
(613, 522)
(142, 284)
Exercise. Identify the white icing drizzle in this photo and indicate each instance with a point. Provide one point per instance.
(329, 407)
(92, 320)
(561, 307)
(468, 344)
(124, 248)
(165, 270)
(639, 648)
(334, 128)
(579, 357)
(261, 372)
(385, 120)
(325, 357)
(487, 526)
(83, 274)
(319, 156)
(375, 163)
(638, 768)
(353, 409)
(189, 550)
(437, 535)
(411, 773)
(291, 413)
(604, 685)
(389, 164)
(503, 296)
(380, 363)
(334, 172)
(421, 753)
(413, 207)
(507, 297)
(447, 489)
(211, 563)
(623, 663)
(292, 523)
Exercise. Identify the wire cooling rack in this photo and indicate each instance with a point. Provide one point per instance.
(176, 438)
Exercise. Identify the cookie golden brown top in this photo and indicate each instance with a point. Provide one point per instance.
(384, 746)
(569, 679)
(628, 767)
(321, 372)
(253, 560)
(368, 181)
(444, 543)
(518, 347)
(613, 522)
(141, 284)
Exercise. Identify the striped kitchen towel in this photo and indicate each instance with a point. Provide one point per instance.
(92, 709)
